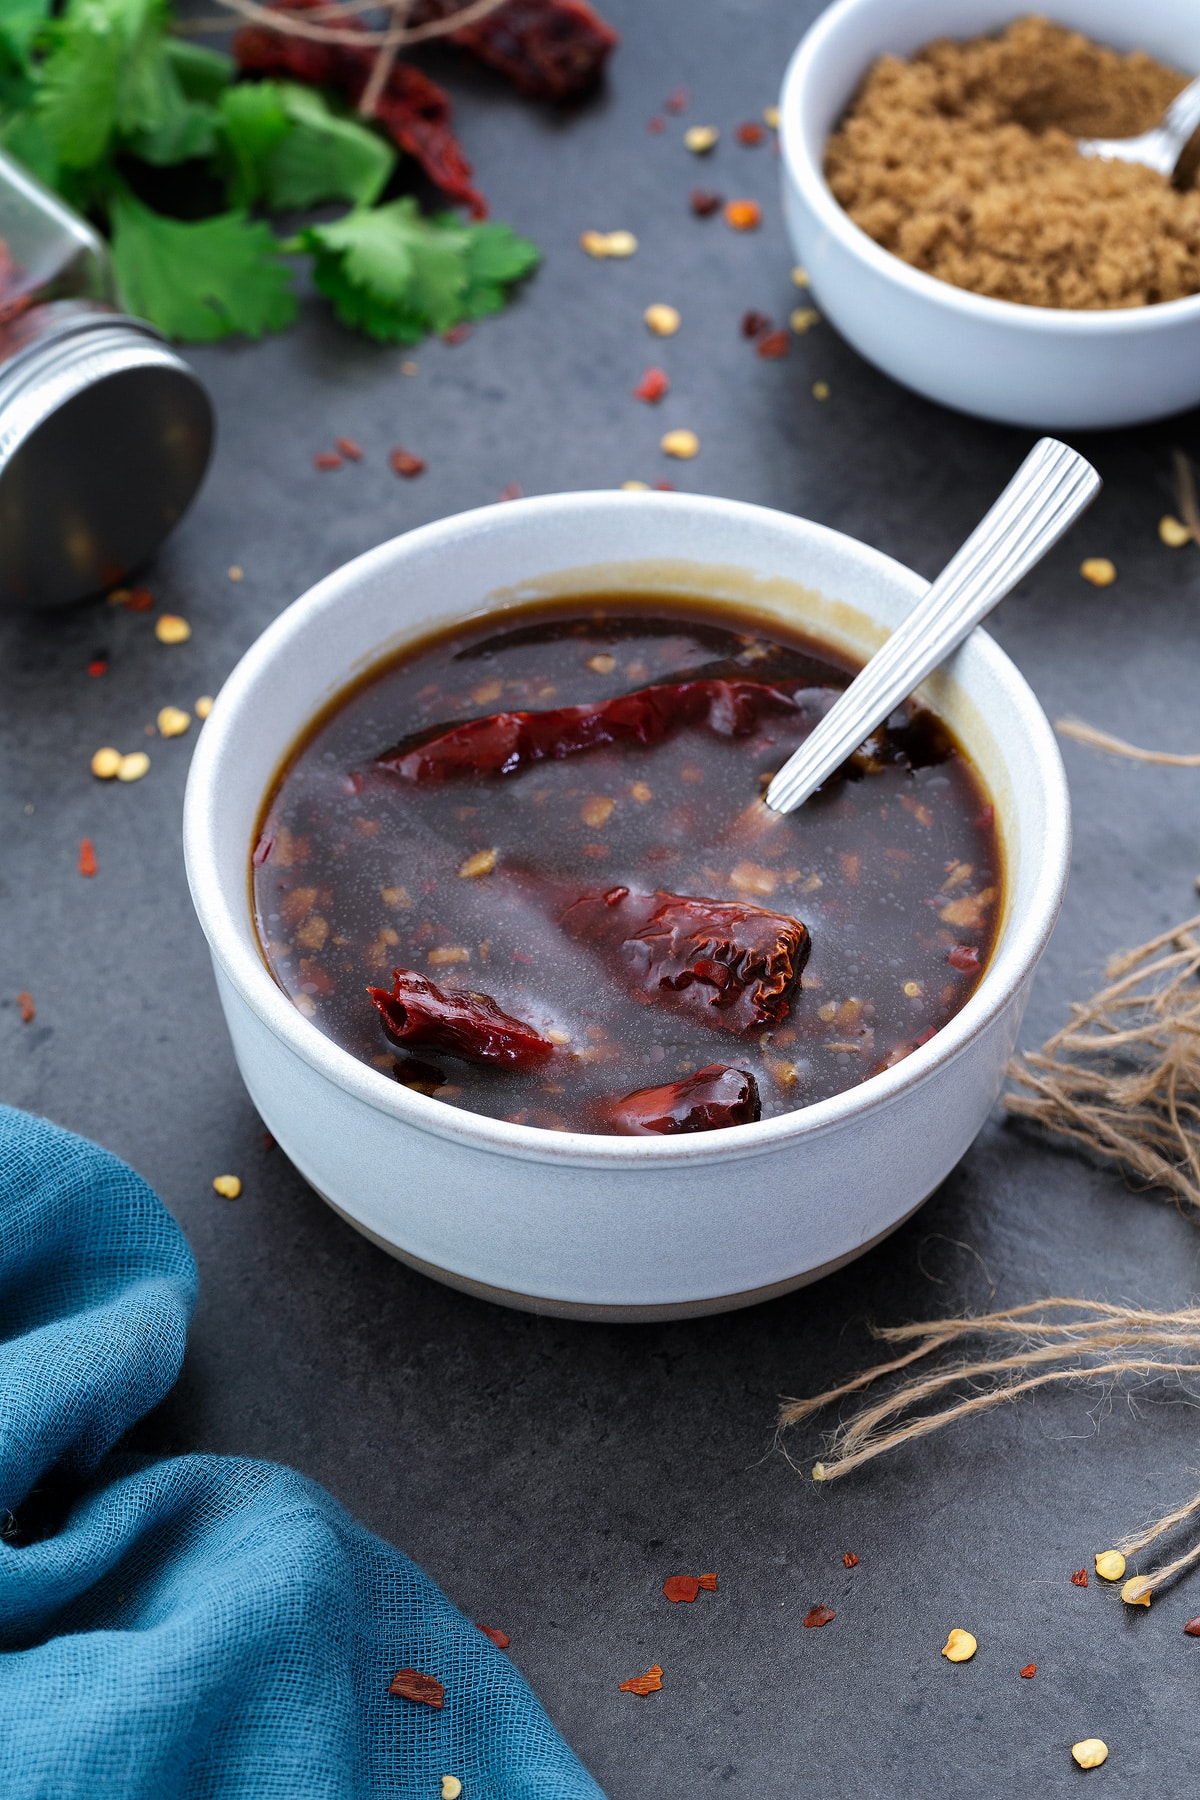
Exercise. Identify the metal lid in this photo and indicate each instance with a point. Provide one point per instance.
(105, 436)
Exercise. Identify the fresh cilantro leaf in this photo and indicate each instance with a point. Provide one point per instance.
(105, 67)
(253, 123)
(285, 146)
(200, 281)
(24, 137)
(496, 257)
(20, 23)
(203, 74)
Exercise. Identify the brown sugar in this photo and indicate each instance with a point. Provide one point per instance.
(963, 163)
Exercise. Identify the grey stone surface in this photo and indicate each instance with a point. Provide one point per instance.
(550, 1475)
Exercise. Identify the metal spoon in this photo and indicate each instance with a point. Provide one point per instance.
(1048, 492)
(1160, 148)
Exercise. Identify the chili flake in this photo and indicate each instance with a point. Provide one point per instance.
(754, 323)
(820, 1615)
(700, 139)
(750, 134)
(204, 706)
(27, 1009)
(681, 1587)
(410, 1684)
(98, 664)
(709, 1583)
(140, 600)
(662, 320)
(850, 1560)
(743, 215)
(228, 1186)
(349, 448)
(774, 345)
(171, 629)
(1098, 570)
(649, 1683)
(106, 762)
(458, 334)
(500, 1638)
(1193, 1625)
(803, 319)
(405, 463)
(511, 491)
(1173, 532)
(1079, 1578)
(681, 444)
(655, 383)
(87, 858)
(704, 204)
(1028, 1672)
(173, 721)
(677, 101)
(656, 126)
(327, 459)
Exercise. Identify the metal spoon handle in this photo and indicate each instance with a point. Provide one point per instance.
(1182, 116)
(1051, 488)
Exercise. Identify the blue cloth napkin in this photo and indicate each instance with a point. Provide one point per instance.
(201, 1626)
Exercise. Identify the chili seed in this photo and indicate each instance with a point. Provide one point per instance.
(556, 1036)
(1089, 1753)
(820, 390)
(173, 721)
(171, 629)
(204, 706)
(912, 989)
(105, 763)
(1131, 1594)
(596, 812)
(228, 1186)
(960, 1646)
(642, 792)
(451, 953)
(681, 444)
(743, 215)
(1110, 1564)
(662, 320)
(771, 117)
(1098, 570)
(133, 766)
(404, 463)
(799, 277)
(636, 487)
(621, 243)
(236, 573)
(703, 204)
(1173, 531)
(803, 319)
(482, 863)
(602, 663)
(451, 1787)
(700, 139)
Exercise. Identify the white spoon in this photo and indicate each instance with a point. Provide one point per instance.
(1048, 492)
(1160, 148)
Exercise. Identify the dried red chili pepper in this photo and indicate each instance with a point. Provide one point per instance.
(499, 743)
(850, 1560)
(653, 385)
(1079, 1578)
(681, 1587)
(703, 203)
(349, 448)
(732, 965)
(500, 1638)
(775, 344)
(549, 49)
(966, 958)
(750, 133)
(412, 1685)
(470, 1026)
(327, 459)
(27, 1009)
(709, 1583)
(87, 858)
(413, 110)
(405, 463)
(1029, 1671)
(820, 1615)
(754, 323)
(706, 1101)
(649, 1683)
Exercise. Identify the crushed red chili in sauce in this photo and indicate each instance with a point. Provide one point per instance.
(522, 869)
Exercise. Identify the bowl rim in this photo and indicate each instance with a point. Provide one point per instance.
(224, 917)
(808, 176)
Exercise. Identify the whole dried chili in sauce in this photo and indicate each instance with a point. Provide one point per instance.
(706, 1101)
(413, 110)
(549, 49)
(732, 965)
(470, 1026)
(498, 743)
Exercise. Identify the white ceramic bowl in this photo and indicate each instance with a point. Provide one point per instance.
(1021, 365)
(613, 1227)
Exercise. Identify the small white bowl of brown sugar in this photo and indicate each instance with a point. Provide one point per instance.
(953, 233)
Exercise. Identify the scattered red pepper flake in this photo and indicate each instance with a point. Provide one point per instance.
(665, 487)
(1028, 1672)
(656, 126)
(457, 334)
(349, 448)
(754, 323)
(261, 851)
(773, 345)
(681, 1587)
(327, 459)
(99, 663)
(500, 1638)
(983, 821)
(743, 215)
(966, 957)
(1079, 1578)
(511, 492)
(405, 463)
(850, 1560)
(649, 1683)
(677, 102)
(28, 1009)
(820, 1615)
(704, 204)
(653, 385)
(709, 1583)
(1193, 1628)
(87, 857)
(410, 1684)
(750, 133)
(268, 1140)
(140, 600)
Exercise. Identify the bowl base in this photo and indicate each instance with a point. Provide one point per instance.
(600, 1314)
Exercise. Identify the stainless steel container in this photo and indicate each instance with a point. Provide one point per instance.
(105, 433)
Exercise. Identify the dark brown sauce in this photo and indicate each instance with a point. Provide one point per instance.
(571, 889)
